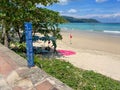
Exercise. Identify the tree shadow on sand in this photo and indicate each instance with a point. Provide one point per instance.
(46, 52)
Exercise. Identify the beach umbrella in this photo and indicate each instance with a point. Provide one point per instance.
(35, 38)
(43, 38)
(52, 38)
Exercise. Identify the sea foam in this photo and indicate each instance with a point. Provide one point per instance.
(115, 32)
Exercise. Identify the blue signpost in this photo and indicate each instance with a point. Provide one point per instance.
(29, 45)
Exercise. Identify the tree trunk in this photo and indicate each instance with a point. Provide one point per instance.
(18, 32)
(5, 36)
(22, 39)
(6, 40)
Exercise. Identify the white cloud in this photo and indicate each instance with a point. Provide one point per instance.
(63, 2)
(61, 12)
(110, 15)
(102, 16)
(100, 1)
(72, 11)
(39, 5)
(106, 17)
(115, 15)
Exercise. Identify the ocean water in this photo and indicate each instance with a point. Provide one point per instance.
(109, 28)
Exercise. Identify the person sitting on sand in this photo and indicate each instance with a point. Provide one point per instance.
(54, 45)
(48, 48)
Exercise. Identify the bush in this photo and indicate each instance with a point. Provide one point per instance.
(19, 47)
(76, 78)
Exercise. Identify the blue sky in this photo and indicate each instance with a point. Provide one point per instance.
(102, 10)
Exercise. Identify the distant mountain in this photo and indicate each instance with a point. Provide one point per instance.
(78, 20)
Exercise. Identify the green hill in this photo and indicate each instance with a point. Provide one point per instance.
(78, 20)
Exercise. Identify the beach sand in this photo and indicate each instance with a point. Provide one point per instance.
(93, 41)
(94, 51)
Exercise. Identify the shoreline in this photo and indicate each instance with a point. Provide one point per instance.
(92, 41)
(93, 52)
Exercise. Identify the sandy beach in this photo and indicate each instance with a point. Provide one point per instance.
(93, 41)
(94, 51)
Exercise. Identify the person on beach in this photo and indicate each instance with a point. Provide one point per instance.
(48, 48)
(54, 45)
(70, 39)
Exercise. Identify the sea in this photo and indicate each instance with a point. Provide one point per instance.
(106, 28)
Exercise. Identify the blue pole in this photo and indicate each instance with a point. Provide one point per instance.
(29, 44)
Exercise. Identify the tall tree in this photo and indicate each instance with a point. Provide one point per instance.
(13, 14)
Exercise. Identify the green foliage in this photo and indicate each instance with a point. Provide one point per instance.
(22, 54)
(47, 22)
(13, 14)
(76, 78)
(19, 47)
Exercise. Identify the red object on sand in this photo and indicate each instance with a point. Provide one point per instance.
(66, 52)
(48, 42)
(70, 36)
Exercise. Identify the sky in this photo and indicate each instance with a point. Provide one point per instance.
(102, 10)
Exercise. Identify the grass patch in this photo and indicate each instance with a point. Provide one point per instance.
(77, 78)
(74, 77)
